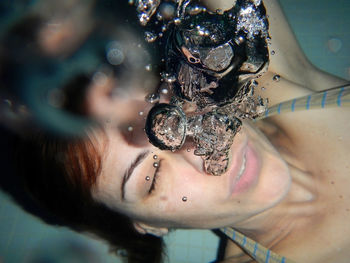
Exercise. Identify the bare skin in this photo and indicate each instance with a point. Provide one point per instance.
(302, 167)
(309, 225)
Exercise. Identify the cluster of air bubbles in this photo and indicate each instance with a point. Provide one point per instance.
(212, 121)
(250, 21)
(152, 98)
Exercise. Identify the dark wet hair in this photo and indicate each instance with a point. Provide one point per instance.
(58, 173)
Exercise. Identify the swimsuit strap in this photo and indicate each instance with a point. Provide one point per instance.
(260, 253)
(334, 97)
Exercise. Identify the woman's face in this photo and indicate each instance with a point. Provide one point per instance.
(171, 189)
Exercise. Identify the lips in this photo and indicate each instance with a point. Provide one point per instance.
(245, 169)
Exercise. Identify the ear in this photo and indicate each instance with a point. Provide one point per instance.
(143, 229)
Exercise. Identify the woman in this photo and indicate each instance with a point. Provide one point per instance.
(287, 179)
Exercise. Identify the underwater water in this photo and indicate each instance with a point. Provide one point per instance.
(23, 238)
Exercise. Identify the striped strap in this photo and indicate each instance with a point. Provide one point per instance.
(335, 97)
(254, 249)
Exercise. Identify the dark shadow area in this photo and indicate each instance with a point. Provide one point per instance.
(11, 184)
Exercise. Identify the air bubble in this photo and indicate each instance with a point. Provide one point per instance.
(155, 157)
(167, 10)
(276, 78)
(273, 52)
(177, 21)
(114, 53)
(148, 178)
(334, 45)
(168, 78)
(164, 91)
(155, 165)
(184, 199)
(150, 37)
(141, 113)
(148, 67)
(166, 126)
(130, 128)
(152, 98)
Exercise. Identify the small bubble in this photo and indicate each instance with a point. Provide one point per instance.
(168, 77)
(164, 91)
(152, 98)
(150, 37)
(130, 128)
(273, 52)
(188, 150)
(241, 39)
(155, 165)
(141, 113)
(114, 53)
(276, 78)
(334, 45)
(184, 199)
(148, 67)
(155, 157)
(167, 10)
(177, 21)
(148, 178)
(263, 88)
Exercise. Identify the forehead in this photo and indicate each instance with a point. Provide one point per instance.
(108, 183)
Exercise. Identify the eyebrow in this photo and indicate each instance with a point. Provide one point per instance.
(128, 172)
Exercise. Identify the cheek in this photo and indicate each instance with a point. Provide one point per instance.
(187, 189)
(276, 179)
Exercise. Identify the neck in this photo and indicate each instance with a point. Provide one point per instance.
(298, 210)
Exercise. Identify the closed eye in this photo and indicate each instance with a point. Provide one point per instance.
(155, 177)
